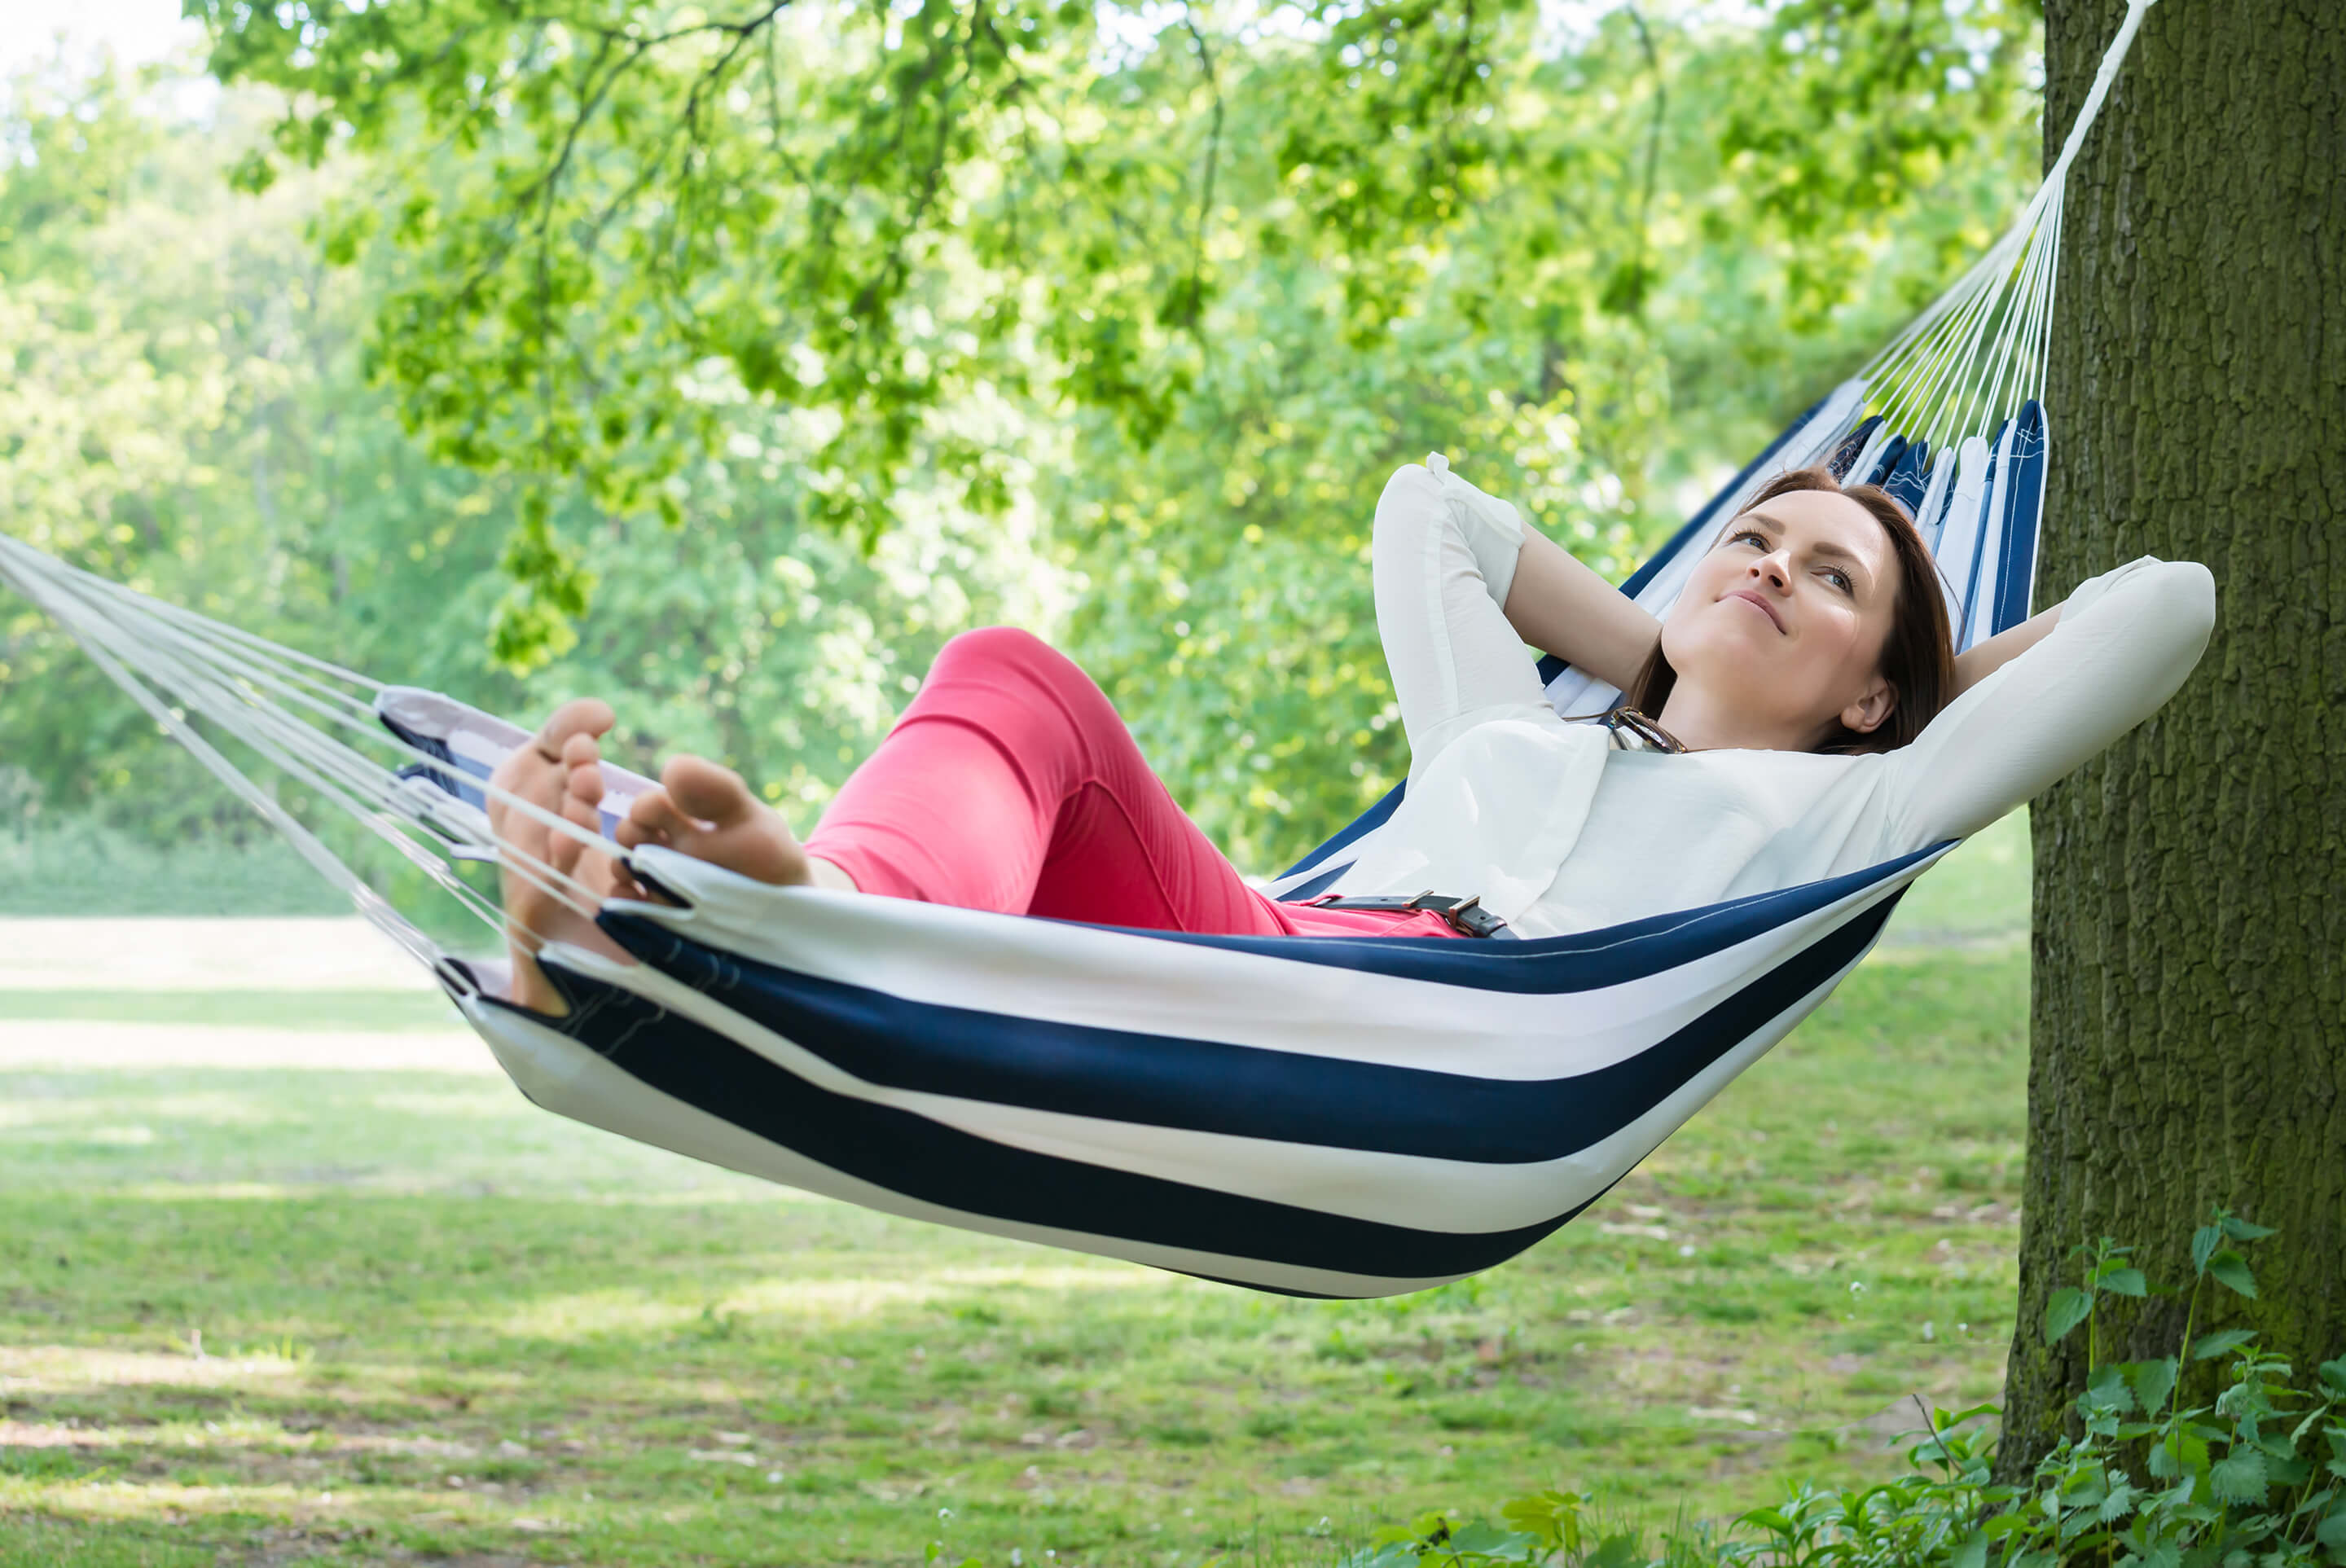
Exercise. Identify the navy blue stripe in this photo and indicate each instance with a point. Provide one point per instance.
(1886, 462)
(1552, 965)
(1853, 447)
(1239, 1091)
(925, 1160)
(1911, 478)
(436, 748)
(2023, 497)
(1323, 1295)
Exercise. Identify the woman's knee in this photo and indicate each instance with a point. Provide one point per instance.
(1010, 649)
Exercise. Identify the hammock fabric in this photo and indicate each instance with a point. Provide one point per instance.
(1319, 1115)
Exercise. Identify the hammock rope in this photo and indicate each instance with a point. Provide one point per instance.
(1314, 1115)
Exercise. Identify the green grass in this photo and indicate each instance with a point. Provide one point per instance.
(81, 869)
(439, 1324)
(369, 1010)
(1978, 895)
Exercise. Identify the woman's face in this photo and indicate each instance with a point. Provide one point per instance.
(1783, 623)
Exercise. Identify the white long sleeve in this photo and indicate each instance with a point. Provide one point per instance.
(1443, 558)
(1498, 785)
(2123, 644)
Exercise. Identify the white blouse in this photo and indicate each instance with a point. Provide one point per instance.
(1559, 833)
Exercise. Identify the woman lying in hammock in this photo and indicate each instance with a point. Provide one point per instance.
(1800, 714)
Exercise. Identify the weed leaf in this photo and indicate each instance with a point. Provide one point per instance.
(2239, 1477)
(2210, 1346)
(2231, 1268)
(2204, 1243)
(2065, 1309)
(2153, 1381)
(2108, 1387)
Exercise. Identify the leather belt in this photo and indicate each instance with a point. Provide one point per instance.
(1467, 917)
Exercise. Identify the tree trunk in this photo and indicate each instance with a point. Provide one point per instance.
(2188, 1018)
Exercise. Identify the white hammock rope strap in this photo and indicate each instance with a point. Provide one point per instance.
(1982, 347)
(218, 672)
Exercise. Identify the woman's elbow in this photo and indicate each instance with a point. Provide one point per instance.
(2195, 594)
(2183, 599)
(1411, 492)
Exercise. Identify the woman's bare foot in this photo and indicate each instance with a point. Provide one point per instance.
(559, 771)
(711, 814)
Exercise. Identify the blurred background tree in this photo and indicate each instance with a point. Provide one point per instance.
(727, 362)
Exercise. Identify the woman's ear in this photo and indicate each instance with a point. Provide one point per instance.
(1870, 712)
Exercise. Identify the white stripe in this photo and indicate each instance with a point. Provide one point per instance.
(570, 1080)
(1096, 977)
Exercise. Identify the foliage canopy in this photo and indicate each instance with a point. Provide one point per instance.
(1106, 319)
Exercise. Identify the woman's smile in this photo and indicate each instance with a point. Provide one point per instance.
(1754, 597)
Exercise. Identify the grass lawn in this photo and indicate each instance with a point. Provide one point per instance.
(323, 1316)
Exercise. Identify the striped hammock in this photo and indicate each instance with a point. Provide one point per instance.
(1322, 1115)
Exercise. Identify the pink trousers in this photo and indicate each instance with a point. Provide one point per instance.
(1011, 784)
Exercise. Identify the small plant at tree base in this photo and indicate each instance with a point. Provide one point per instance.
(2255, 1480)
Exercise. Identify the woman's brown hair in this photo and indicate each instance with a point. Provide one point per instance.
(1918, 659)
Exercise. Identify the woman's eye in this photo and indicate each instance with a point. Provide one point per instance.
(1840, 580)
(1751, 535)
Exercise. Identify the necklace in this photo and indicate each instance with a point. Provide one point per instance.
(1633, 731)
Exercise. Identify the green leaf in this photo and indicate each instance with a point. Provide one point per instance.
(1613, 1551)
(2153, 1382)
(2204, 1243)
(1971, 1554)
(2229, 1269)
(1489, 1543)
(2209, 1346)
(2125, 1282)
(2108, 1387)
(2064, 1311)
(2239, 1477)
(2239, 1229)
(2334, 1373)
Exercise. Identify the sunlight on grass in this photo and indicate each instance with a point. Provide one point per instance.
(479, 1329)
(596, 1314)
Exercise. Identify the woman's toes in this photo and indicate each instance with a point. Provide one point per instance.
(586, 716)
(652, 818)
(581, 808)
(708, 812)
(711, 793)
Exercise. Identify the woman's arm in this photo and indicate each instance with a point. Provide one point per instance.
(1981, 660)
(1562, 608)
(1444, 557)
(2103, 662)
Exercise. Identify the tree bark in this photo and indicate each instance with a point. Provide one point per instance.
(2188, 1015)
